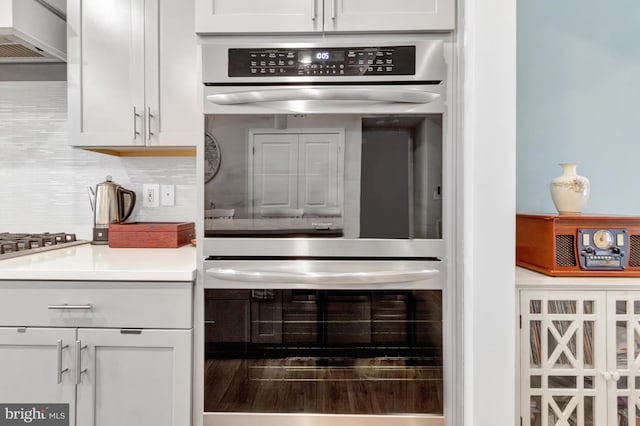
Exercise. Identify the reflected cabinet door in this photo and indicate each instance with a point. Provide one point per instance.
(563, 358)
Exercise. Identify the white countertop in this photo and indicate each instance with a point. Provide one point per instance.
(89, 262)
(526, 278)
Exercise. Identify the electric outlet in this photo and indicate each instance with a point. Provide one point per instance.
(167, 195)
(150, 195)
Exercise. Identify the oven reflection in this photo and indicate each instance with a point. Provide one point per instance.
(333, 352)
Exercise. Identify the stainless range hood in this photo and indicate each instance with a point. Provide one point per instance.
(32, 31)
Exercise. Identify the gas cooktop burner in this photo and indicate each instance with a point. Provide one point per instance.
(13, 244)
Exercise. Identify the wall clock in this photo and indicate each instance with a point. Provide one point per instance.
(211, 157)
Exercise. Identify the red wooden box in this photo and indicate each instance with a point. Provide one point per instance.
(151, 234)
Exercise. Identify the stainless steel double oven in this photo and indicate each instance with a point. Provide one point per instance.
(325, 242)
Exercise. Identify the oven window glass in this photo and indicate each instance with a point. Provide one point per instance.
(348, 176)
(324, 351)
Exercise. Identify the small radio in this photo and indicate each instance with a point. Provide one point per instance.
(567, 246)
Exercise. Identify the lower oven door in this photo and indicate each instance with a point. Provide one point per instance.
(323, 342)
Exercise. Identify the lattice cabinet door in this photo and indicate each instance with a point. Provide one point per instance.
(563, 358)
(623, 346)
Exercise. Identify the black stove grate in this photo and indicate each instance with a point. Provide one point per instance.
(14, 243)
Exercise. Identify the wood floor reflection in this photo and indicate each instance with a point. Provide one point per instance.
(297, 385)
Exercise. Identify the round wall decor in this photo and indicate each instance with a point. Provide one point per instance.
(211, 157)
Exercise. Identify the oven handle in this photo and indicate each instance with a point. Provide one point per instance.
(376, 94)
(308, 277)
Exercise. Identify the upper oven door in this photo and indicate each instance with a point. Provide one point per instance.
(310, 164)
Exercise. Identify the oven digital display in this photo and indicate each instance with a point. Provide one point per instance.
(323, 56)
(328, 55)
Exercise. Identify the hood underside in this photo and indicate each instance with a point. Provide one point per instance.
(31, 31)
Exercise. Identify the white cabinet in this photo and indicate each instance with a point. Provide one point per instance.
(389, 15)
(580, 357)
(134, 377)
(132, 74)
(252, 16)
(110, 371)
(296, 172)
(36, 366)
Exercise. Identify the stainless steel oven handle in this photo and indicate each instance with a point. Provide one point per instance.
(313, 277)
(394, 95)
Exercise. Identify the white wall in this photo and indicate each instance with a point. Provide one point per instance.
(579, 100)
(488, 97)
(43, 181)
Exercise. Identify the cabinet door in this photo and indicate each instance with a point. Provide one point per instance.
(623, 358)
(35, 368)
(562, 356)
(106, 72)
(318, 180)
(389, 15)
(250, 16)
(171, 77)
(275, 173)
(134, 377)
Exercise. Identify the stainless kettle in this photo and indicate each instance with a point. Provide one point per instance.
(110, 203)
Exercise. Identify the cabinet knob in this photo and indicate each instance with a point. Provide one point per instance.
(606, 375)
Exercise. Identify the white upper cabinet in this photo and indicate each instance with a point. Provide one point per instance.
(258, 16)
(389, 15)
(281, 16)
(132, 73)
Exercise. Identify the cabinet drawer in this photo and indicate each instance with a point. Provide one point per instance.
(91, 304)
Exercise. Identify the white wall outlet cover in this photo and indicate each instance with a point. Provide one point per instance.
(150, 195)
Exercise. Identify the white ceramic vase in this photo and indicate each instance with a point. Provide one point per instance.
(569, 191)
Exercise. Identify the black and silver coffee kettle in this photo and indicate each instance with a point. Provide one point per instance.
(110, 203)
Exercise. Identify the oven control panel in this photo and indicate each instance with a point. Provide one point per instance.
(329, 62)
(603, 249)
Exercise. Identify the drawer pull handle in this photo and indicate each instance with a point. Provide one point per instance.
(60, 370)
(88, 306)
(131, 331)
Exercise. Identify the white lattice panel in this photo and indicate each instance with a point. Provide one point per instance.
(563, 356)
(623, 357)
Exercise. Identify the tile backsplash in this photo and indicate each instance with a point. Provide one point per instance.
(44, 182)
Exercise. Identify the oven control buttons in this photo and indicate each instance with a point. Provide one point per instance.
(330, 61)
(602, 249)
